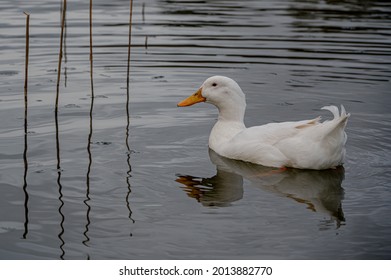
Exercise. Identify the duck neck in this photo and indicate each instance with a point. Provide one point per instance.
(232, 113)
(229, 123)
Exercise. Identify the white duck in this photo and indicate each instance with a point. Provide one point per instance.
(307, 144)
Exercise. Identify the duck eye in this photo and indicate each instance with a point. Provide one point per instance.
(214, 84)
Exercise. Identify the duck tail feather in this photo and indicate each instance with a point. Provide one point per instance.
(337, 116)
(333, 109)
(339, 121)
(343, 111)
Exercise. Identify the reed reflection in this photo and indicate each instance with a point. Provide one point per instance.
(128, 153)
(26, 165)
(60, 197)
(128, 175)
(320, 191)
(87, 200)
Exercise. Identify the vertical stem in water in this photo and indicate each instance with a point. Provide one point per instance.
(91, 54)
(26, 68)
(128, 74)
(129, 42)
(27, 53)
(65, 51)
(127, 78)
(64, 7)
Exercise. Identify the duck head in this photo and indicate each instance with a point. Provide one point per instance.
(222, 92)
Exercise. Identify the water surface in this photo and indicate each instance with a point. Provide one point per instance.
(74, 189)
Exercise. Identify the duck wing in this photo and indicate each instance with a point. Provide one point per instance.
(259, 144)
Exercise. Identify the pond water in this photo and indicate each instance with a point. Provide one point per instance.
(72, 188)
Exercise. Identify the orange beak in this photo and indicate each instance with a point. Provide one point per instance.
(192, 99)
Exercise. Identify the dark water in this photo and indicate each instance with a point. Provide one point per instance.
(76, 191)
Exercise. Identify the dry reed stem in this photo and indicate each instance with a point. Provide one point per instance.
(27, 51)
(127, 76)
(91, 53)
(129, 39)
(64, 7)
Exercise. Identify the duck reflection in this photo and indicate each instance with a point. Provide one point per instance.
(320, 191)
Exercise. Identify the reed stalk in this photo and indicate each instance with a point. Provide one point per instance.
(129, 41)
(91, 53)
(60, 55)
(27, 53)
(127, 77)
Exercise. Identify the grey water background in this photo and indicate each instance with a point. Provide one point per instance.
(165, 196)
